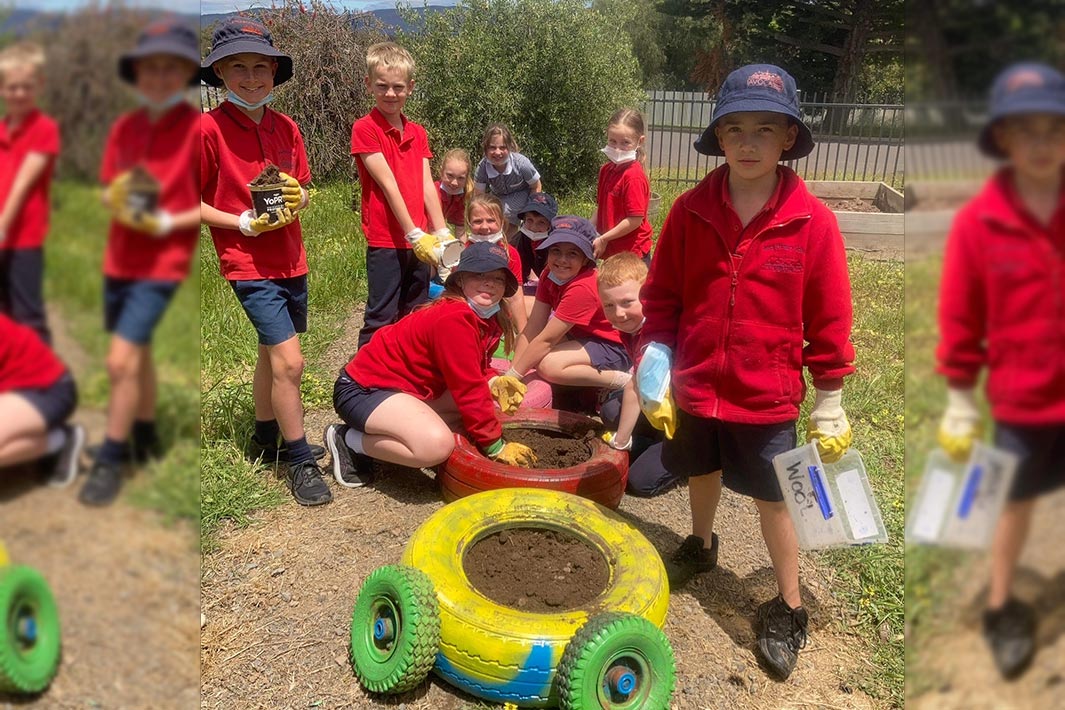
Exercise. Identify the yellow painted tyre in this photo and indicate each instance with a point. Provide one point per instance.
(506, 655)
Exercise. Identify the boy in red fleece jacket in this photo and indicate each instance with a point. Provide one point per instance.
(1000, 306)
(749, 267)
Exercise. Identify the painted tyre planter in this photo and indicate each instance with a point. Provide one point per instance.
(601, 477)
(29, 630)
(610, 653)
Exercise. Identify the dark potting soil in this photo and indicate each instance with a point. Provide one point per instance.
(553, 449)
(271, 175)
(142, 180)
(855, 204)
(536, 570)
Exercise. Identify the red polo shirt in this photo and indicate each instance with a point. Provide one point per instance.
(577, 303)
(36, 134)
(624, 191)
(233, 151)
(25, 361)
(454, 207)
(404, 153)
(168, 149)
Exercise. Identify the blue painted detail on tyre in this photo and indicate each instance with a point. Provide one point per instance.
(531, 683)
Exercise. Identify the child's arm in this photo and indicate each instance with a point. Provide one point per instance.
(540, 345)
(378, 168)
(32, 167)
(630, 414)
(534, 324)
(432, 199)
(517, 310)
(619, 230)
(537, 186)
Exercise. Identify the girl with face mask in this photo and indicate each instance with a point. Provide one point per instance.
(484, 213)
(624, 191)
(456, 186)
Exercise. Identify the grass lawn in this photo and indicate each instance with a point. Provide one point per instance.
(74, 284)
(872, 577)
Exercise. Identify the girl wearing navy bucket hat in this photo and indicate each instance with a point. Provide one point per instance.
(403, 393)
(1000, 307)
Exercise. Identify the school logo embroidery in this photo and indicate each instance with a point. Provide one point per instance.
(498, 252)
(1022, 79)
(251, 29)
(767, 79)
(565, 225)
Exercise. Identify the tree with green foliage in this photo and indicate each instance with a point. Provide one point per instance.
(553, 72)
(642, 22)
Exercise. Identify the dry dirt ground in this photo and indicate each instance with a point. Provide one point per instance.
(955, 656)
(126, 586)
(278, 595)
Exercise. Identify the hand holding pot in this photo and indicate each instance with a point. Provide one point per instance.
(292, 193)
(424, 246)
(252, 226)
(117, 193)
(156, 224)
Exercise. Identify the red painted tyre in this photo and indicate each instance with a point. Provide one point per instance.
(601, 478)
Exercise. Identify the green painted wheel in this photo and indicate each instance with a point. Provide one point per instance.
(29, 631)
(395, 629)
(617, 661)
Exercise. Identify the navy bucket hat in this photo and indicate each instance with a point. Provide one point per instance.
(482, 257)
(542, 204)
(758, 87)
(569, 229)
(164, 37)
(238, 35)
(1022, 88)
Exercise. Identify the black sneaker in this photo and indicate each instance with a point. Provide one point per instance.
(690, 559)
(260, 452)
(307, 485)
(105, 481)
(1010, 631)
(350, 469)
(781, 633)
(62, 466)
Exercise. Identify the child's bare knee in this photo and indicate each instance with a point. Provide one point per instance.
(437, 445)
(288, 368)
(122, 368)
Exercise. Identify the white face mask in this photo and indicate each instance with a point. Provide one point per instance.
(165, 105)
(493, 238)
(618, 156)
(535, 236)
(251, 107)
(483, 311)
(451, 191)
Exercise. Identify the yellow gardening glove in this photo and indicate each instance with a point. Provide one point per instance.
(424, 246)
(662, 415)
(117, 192)
(509, 391)
(292, 193)
(828, 425)
(961, 424)
(252, 226)
(515, 454)
(611, 439)
(156, 224)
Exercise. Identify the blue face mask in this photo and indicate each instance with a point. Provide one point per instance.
(250, 107)
(485, 312)
(164, 105)
(557, 280)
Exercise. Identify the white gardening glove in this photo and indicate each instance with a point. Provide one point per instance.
(828, 425)
(961, 423)
(611, 438)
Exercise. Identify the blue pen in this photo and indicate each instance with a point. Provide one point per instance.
(819, 493)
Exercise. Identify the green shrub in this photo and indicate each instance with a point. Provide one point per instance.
(553, 72)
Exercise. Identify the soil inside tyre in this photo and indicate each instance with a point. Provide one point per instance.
(554, 449)
(536, 570)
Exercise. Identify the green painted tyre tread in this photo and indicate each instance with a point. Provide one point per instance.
(27, 670)
(606, 637)
(409, 592)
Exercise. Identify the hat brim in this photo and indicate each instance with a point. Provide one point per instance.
(284, 62)
(509, 290)
(542, 210)
(127, 62)
(561, 236)
(708, 144)
(1042, 104)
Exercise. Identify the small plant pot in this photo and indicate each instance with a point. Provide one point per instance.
(142, 200)
(654, 206)
(449, 252)
(268, 199)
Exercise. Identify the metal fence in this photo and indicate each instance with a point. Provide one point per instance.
(941, 140)
(853, 141)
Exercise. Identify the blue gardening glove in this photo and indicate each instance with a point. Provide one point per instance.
(828, 426)
(961, 424)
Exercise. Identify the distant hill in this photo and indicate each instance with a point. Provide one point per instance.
(388, 16)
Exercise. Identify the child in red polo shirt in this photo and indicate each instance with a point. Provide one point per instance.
(148, 250)
(37, 396)
(455, 187)
(568, 339)
(1000, 306)
(29, 143)
(749, 283)
(402, 394)
(484, 213)
(398, 193)
(263, 260)
(623, 192)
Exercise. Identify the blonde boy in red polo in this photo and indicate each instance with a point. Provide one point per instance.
(29, 143)
(264, 261)
(399, 194)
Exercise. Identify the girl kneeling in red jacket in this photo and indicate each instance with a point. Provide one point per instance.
(404, 390)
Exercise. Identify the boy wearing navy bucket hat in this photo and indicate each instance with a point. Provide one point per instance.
(1000, 306)
(262, 256)
(749, 265)
(153, 194)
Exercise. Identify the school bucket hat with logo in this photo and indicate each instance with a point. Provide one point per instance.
(1028, 87)
(758, 87)
(238, 35)
(164, 37)
(569, 229)
(482, 257)
(542, 204)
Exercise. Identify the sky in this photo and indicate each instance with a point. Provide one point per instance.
(204, 7)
